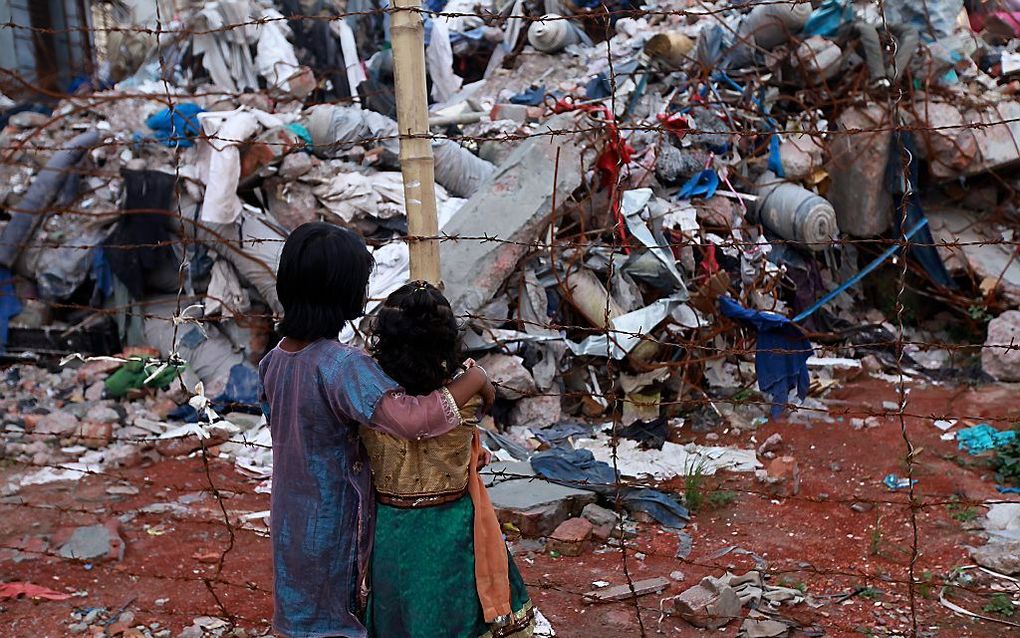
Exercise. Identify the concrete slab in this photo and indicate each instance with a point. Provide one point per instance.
(512, 207)
(530, 502)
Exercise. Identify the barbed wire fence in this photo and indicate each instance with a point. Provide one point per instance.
(588, 220)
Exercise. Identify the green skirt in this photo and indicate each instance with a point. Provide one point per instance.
(423, 577)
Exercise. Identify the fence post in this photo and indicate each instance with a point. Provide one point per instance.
(416, 163)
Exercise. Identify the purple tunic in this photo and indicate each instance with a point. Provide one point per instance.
(322, 504)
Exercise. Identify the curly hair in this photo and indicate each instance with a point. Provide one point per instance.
(415, 338)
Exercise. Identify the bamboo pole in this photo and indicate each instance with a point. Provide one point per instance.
(416, 163)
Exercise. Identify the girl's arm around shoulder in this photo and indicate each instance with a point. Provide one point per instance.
(435, 414)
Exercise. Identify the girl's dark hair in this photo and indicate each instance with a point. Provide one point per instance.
(415, 338)
(322, 281)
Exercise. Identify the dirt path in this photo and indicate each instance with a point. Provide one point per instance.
(843, 532)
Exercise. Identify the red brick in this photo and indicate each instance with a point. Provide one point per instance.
(571, 538)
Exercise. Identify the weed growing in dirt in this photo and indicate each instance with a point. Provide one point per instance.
(790, 583)
(694, 486)
(721, 498)
(961, 512)
(869, 593)
(875, 539)
(1007, 463)
(924, 587)
(1001, 605)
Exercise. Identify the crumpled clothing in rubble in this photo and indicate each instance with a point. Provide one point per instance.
(781, 354)
(220, 158)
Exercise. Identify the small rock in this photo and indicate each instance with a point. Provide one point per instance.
(95, 434)
(783, 476)
(1000, 357)
(861, 508)
(94, 542)
(678, 576)
(95, 391)
(599, 516)
(571, 538)
(771, 444)
(58, 423)
(77, 628)
(102, 414)
(193, 631)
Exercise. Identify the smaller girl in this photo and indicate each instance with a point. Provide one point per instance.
(440, 567)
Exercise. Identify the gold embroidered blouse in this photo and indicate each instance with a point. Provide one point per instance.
(424, 472)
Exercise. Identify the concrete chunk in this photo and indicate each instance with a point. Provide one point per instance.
(512, 205)
(858, 195)
(531, 503)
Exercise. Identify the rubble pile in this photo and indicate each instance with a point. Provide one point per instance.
(656, 217)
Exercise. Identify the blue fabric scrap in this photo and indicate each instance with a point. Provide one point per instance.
(781, 353)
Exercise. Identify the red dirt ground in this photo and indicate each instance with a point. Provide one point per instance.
(171, 571)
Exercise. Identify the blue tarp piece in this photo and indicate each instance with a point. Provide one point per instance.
(598, 87)
(102, 273)
(828, 18)
(10, 305)
(781, 353)
(702, 184)
(177, 125)
(983, 437)
(579, 469)
(532, 97)
(775, 159)
(556, 434)
(922, 247)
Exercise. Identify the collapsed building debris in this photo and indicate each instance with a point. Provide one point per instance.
(605, 183)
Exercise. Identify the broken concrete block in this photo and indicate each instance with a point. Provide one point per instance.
(512, 205)
(764, 628)
(571, 538)
(996, 131)
(949, 144)
(857, 166)
(709, 604)
(801, 156)
(508, 374)
(1000, 357)
(94, 542)
(967, 243)
(532, 504)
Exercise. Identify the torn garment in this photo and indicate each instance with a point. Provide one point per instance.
(781, 354)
